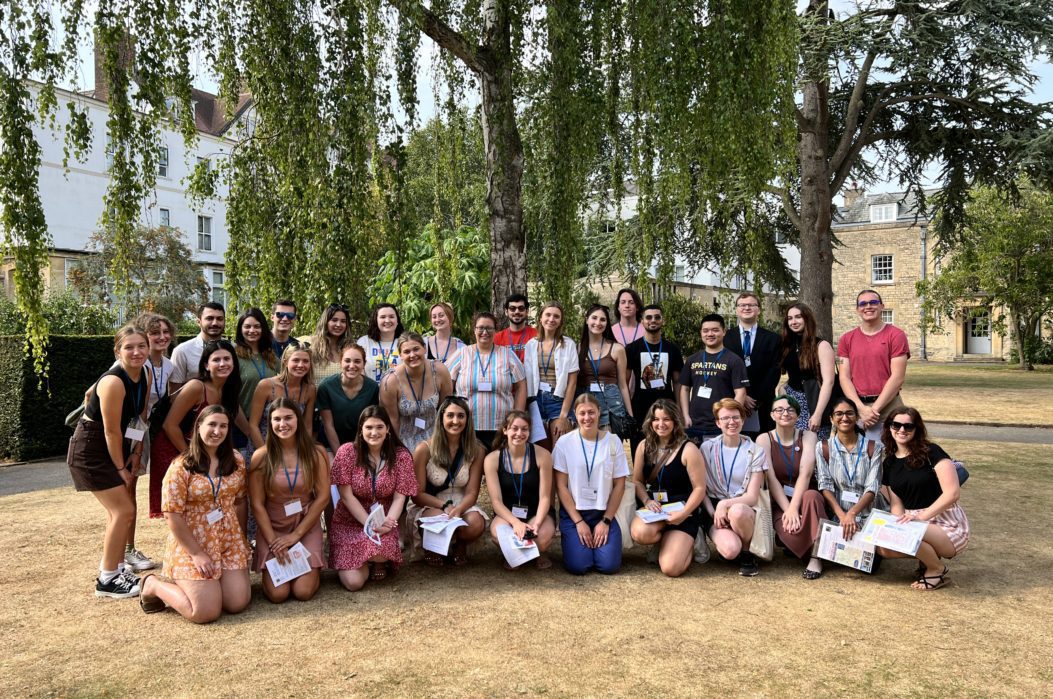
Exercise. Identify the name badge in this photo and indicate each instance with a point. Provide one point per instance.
(419, 423)
(293, 507)
(546, 387)
(485, 386)
(748, 362)
(788, 489)
(705, 391)
(849, 496)
(595, 387)
(587, 498)
(134, 434)
(214, 516)
(661, 496)
(519, 512)
(657, 383)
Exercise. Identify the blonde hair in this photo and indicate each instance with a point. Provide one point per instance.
(283, 375)
(305, 448)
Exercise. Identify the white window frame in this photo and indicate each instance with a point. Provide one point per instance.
(204, 233)
(882, 213)
(162, 161)
(888, 316)
(207, 161)
(164, 217)
(217, 284)
(874, 279)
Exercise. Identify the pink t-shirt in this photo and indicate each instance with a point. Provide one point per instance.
(870, 356)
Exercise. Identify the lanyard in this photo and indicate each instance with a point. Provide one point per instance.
(299, 394)
(446, 352)
(522, 474)
(596, 364)
(483, 368)
(259, 371)
(621, 329)
(516, 342)
(215, 486)
(385, 361)
(589, 466)
(451, 476)
(373, 478)
(137, 398)
(787, 456)
(159, 377)
(728, 473)
(409, 380)
(705, 374)
(295, 478)
(541, 354)
(844, 459)
(656, 358)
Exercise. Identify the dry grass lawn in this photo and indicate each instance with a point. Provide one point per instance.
(981, 393)
(483, 632)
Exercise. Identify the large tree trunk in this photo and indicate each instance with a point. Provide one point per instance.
(817, 252)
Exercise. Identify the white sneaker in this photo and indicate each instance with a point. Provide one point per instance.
(138, 561)
(701, 549)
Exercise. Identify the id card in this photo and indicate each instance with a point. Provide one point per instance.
(705, 391)
(419, 423)
(657, 383)
(661, 496)
(136, 430)
(519, 512)
(485, 386)
(588, 498)
(788, 489)
(546, 387)
(214, 516)
(850, 497)
(595, 387)
(747, 360)
(293, 507)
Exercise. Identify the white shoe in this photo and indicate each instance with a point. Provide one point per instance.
(137, 561)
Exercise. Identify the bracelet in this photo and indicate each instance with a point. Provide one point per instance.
(578, 522)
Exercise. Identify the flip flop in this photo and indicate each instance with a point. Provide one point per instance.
(927, 586)
(378, 571)
(151, 604)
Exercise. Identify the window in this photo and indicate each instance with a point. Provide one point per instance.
(217, 280)
(679, 274)
(110, 150)
(165, 218)
(780, 238)
(207, 164)
(880, 213)
(162, 161)
(881, 269)
(70, 267)
(204, 233)
(886, 316)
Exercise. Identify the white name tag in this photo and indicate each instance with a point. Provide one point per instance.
(587, 499)
(704, 391)
(519, 512)
(788, 489)
(419, 423)
(595, 387)
(657, 383)
(134, 434)
(293, 507)
(546, 387)
(661, 496)
(485, 386)
(214, 516)
(849, 496)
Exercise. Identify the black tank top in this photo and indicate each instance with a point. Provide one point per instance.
(134, 398)
(795, 375)
(673, 478)
(530, 490)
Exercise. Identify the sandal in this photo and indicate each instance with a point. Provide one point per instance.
(927, 586)
(434, 560)
(151, 604)
(460, 554)
(378, 571)
(809, 574)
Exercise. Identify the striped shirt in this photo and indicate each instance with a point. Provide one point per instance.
(850, 471)
(502, 369)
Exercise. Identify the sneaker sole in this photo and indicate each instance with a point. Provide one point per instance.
(134, 592)
(140, 567)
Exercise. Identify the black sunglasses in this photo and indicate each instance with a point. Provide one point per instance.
(904, 426)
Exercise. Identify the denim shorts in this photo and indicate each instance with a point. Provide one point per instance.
(610, 399)
(549, 405)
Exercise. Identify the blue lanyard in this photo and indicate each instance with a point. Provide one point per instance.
(215, 486)
(159, 377)
(292, 483)
(451, 476)
(385, 361)
(444, 354)
(655, 358)
(541, 353)
(706, 375)
(522, 474)
(589, 466)
(256, 366)
(299, 394)
(596, 364)
(373, 478)
(621, 329)
(787, 456)
(855, 467)
(484, 368)
(728, 473)
(409, 380)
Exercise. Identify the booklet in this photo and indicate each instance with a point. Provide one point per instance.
(438, 531)
(516, 551)
(832, 546)
(883, 530)
(373, 522)
(648, 516)
(298, 565)
(537, 424)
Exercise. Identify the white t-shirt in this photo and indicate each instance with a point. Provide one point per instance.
(573, 455)
(381, 357)
(185, 360)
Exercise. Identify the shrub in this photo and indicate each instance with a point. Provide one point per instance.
(66, 314)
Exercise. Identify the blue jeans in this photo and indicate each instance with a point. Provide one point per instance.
(578, 559)
(549, 405)
(610, 399)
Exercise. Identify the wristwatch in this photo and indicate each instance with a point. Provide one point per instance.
(607, 521)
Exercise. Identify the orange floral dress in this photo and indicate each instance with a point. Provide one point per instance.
(191, 495)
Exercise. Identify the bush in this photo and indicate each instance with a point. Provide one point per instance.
(33, 412)
(683, 318)
(66, 314)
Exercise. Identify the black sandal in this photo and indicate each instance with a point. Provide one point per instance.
(151, 604)
(809, 574)
(378, 571)
(927, 586)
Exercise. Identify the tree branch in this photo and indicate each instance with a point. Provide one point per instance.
(438, 31)
(855, 106)
(787, 205)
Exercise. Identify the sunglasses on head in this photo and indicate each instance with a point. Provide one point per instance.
(904, 426)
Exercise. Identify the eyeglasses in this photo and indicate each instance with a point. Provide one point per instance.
(285, 315)
(730, 418)
(653, 317)
(841, 414)
(783, 411)
(485, 330)
(902, 426)
(748, 305)
(871, 302)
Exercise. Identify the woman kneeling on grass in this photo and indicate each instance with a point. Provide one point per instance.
(289, 489)
(667, 469)
(203, 499)
(519, 480)
(923, 487)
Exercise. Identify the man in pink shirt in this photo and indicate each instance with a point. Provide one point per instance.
(873, 363)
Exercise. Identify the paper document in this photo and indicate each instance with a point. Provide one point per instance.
(648, 516)
(516, 551)
(298, 565)
(832, 546)
(373, 522)
(537, 424)
(883, 530)
(438, 532)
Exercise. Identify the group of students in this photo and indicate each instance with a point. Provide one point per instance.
(257, 444)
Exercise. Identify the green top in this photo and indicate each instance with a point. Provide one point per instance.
(346, 410)
(250, 379)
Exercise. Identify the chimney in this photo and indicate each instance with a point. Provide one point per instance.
(125, 59)
(853, 194)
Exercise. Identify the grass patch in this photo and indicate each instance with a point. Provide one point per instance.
(482, 631)
(980, 393)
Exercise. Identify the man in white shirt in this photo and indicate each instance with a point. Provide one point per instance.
(212, 320)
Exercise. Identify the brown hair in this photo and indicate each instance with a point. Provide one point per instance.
(541, 332)
(500, 439)
(676, 437)
(126, 332)
(389, 449)
(441, 455)
(306, 453)
(808, 342)
(196, 458)
(918, 446)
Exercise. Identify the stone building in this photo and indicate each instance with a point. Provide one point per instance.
(886, 246)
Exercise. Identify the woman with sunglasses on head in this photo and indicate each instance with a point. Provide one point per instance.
(796, 505)
(380, 341)
(411, 392)
(668, 468)
(449, 470)
(848, 468)
(628, 309)
(603, 366)
(289, 488)
(207, 556)
(490, 377)
(295, 382)
(735, 468)
(327, 344)
(341, 399)
(373, 470)
(923, 487)
(257, 361)
(519, 480)
(551, 363)
(442, 345)
(809, 363)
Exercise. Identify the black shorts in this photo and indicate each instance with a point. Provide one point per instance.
(90, 465)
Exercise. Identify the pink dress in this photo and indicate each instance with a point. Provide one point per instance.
(349, 548)
(282, 523)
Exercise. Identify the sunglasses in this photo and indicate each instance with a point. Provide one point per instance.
(285, 315)
(871, 302)
(902, 426)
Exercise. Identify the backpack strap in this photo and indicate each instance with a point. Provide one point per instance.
(826, 451)
(870, 449)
